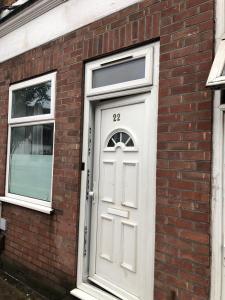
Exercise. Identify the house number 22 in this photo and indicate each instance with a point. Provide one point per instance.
(116, 117)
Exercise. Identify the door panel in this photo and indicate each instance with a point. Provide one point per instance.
(106, 237)
(120, 208)
(130, 191)
(108, 185)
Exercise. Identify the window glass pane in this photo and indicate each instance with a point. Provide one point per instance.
(223, 73)
(30, 165)
(130, 143)
(125, 137)
(116, 137)
(32, 100)
(121, 72)
(121, 137)
(111, 143)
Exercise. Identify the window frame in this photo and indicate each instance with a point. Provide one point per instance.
(28, 83)
(29, 202)
(144, 51)
(215, 78)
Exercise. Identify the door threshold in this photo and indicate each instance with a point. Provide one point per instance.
(86, 291)
(82, 295)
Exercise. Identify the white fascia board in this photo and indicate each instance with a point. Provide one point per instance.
(53, 23)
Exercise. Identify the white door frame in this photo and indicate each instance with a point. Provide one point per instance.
(85, 290)
(217, 200)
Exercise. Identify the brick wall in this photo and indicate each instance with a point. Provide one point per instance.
(47, 244)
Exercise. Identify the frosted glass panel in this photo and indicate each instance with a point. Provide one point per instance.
(30, 166)
(121, 72)
(31, 101)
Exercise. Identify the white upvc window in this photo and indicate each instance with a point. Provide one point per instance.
(217, 72)
(31, 122)
(127, 70)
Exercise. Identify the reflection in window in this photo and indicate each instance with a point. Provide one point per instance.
(31, 101)
(120, 137)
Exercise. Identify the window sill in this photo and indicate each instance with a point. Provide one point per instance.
(40, 208)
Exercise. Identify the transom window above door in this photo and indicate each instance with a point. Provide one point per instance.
(128, 70)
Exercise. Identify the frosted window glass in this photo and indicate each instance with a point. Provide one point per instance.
(30, 165)
(121, 72)
(31, 101)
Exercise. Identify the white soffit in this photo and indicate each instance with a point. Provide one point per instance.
(53, 23)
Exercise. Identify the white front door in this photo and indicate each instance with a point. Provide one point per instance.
(120, 229)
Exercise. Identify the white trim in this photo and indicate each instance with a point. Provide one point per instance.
(141, 52)
(117, 94)
(215, 77)
(28, 83)
(28, 199)
(27, 15)
(217, 212)
(40, 208)
(36, 204)
(220, 20)
(81, 295)
(120, 293)
(217, 200)
(85, 290)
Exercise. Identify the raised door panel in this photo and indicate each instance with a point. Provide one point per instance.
(130, 184)
(129, 246)
(106, 237)
(108, 181)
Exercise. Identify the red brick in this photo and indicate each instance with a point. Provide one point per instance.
(195, 236)
(185, 29)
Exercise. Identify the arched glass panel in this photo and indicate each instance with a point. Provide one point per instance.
(120, 137)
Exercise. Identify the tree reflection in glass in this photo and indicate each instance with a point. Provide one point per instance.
(32, 100)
